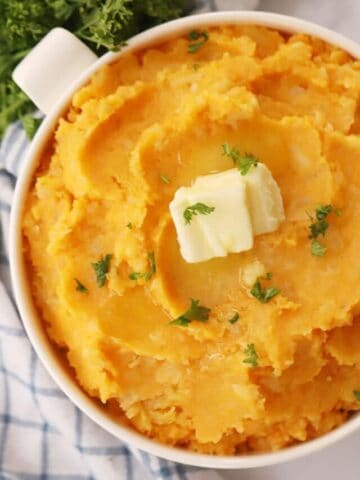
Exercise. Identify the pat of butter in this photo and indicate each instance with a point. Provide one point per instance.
(225, 230)
(244, 206)
(265, 201)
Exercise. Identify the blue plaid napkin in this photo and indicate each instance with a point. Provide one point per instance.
(42, 434)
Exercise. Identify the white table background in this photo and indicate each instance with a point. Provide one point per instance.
(341, 461)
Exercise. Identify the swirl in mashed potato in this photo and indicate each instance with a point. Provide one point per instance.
(163, 113)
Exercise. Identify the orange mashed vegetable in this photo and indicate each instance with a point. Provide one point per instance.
(291, 100)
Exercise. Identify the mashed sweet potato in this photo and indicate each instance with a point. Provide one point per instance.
(141, 128)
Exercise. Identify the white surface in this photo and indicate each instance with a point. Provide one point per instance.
(340, 461)
(340, 15)
(36, 334)
(48, 70)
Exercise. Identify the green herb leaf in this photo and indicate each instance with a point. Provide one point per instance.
(80, 287)
(242, 162)
(234, 318)
(319, 227)
(145, 275)
(152, 269)
(318, 249)
(101, 269)
(203, 37)
(102, 24)
(357, 394)
(129, 225)
(135, 275)
(196, 209)
(251, 357)
(30, 124)
(196, 66)
(195, 312)
(323, 211)
(180, 321)
(165, 179)
(264, 295)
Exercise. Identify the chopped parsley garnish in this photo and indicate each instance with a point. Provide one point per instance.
(195, 312)
(242, 162)
(135, 275)
(165, 179)
(319, 227)
(202, 36)
(30, 124)
(264, 294)
(80, 287)
(234, 318)
(152, 269)
(357, 394)
(317, 248)
(101, 269)
(196, 66)
(196, 209)
(149, 273)
(251, 357)
(129, 225)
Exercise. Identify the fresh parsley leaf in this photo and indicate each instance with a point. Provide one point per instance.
(102, 24)
(165, 179)
(145, 275)
(101, 269)
(318, 249)
(357, 394)
(319, 227)
(80, 287)
(180, 321)
(152, 269)
(194, 312)
(242, 162)
(135, 275)
(196, 66)
(234, 318)
(251, 357)
(268, 276)
(30, 124)
(202, 36)
(196, 209)
(129, 225)
(264, 295)
(323, 211)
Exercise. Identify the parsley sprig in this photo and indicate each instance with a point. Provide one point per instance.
(356, 394)
(196, 209)
(149, 273)
(165, 179)
(235, 318)
(194, 312)
(264, 295)
(80, 287)
(319, 227)
(242, 162)
(201, 36)
(251, 356)
(102, 24)
(101, 268)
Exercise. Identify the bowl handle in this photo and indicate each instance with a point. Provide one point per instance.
(51, 67)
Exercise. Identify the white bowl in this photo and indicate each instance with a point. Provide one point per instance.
(32, 323)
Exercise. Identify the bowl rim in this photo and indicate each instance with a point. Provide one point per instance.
(29, 316)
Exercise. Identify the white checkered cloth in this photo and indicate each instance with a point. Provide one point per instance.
(42, 434)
